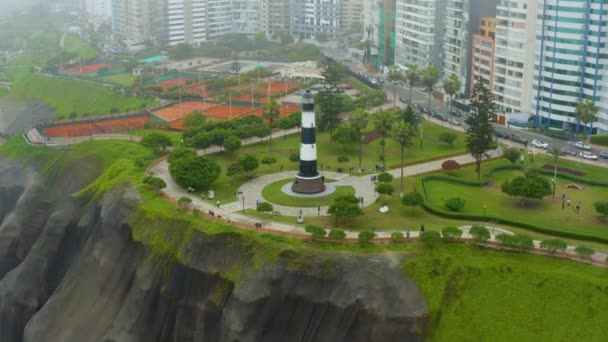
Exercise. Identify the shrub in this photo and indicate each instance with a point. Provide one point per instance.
(196, 212)
(385, 189)
(396, 236)
(315, 231)
(337, 234)
(268, 160)
(451, 233)
(600, 139)
(385, 177)
(184, 201)
(511, 154)
(430, 238)
(448, 138)
(515, 240)
(602, 208)
(155, 182)
(365, 236)
(264, 207)
(554, 245)
(584, 251)
(455, 204)
(294, 157)
(449, 165)
(343, 159)
(479, 233)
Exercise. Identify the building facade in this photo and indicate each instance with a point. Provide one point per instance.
(135, 22)
(482, 54)
(571, 60)
(246, 14)
(274, 17)
(97, 11)
(419, 31)
(311, 17)
(184, 22)
(514, 55)
(351, 15)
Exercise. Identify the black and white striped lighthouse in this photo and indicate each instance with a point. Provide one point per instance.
(308, 180)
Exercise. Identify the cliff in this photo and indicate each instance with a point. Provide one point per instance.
(77, 269)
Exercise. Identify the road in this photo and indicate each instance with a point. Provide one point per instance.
(420, 97)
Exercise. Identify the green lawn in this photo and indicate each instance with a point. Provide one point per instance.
(273, 194)
(3, 92)
(124, 79)
(80, 47)
(68, 96)
(481, 295)
(175, 136)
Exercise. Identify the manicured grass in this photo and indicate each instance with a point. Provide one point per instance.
(3, 92)
(481, 295)
(80, 47)
(175, 136)
(273, 194)
(68, 96)
(124, 79)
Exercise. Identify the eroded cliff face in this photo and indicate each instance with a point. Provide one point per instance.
(70, 270)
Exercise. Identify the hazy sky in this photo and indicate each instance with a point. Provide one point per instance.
(8, 6)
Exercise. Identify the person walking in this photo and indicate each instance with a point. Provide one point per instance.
(218, 203)
(422, 228)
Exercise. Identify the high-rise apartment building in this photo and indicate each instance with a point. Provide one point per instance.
(483, 53)
(275, 17)
(351, 15)
(184, 22)
(136, 21)
(419, 31)
(461, 20)
(571, 60)
(219, 17)
(245, 14)
(97, 11)
(311, 17)
(514, 55)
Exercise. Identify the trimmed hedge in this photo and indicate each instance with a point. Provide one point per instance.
(563, 170)
(600, 139)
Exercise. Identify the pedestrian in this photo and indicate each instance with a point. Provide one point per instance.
(568, 202)
(281, 168)
(578, 207)
(218, 203)
(407, 234)
(422, 228)
(257, 203)
(318, 210)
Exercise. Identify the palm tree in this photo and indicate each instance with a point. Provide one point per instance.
(411, 77)
(403, 132)
(555, 151)
(271, 114)
(451, 86)
(430, 77)
(394, 75)
(586, 112)
(358, 120)
(384, 122)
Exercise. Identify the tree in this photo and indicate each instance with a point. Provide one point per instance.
(315, 231)
(194, 119)
(410, 116)
(155, 182)
(584, 251)
(530, 186)
(385, 189)
(337, 234)
(602, 208)
(394, 76)
(271, 114)
(194, 171)
(480, 132)
(285, 38)
(232, 143)
(234, 169)
(358, 120)
(451, 233)
(448, 138)
(451, 86)
(454, 204)
(202, 140)
(268, 160)
(264, 207)
(184, 202)
(403, 133)
(248, 163)
(430, 238)
(511, 154)
(430, 77)
(412, 199)
(321, 37)
(347, 136)
(479, 233)
(345, 207)
(384, 123)
(261, 131)
(586, 112)
(396, 236)
(329, 100)
(411, 77)
(155, 141)
(182, 51)
(554, 245)
(385, 177)
(180, 152)
(365, 236)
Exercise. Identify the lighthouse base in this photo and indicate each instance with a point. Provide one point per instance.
(308, 185)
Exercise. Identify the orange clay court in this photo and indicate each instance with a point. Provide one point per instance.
(177, 111)
(102, 126)
(86, 69)
(172, 82)
(276, 87)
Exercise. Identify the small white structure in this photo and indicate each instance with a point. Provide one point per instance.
(301, 71)
(383, 209)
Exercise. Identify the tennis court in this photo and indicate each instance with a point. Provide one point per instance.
(86, 69)
(178, 111)
(96, 127)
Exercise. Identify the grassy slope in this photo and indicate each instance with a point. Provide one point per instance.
(80, 47)
(124, 79)
(68, 96)
(273, 193)
(480, 295)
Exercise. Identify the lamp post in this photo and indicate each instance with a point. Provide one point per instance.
(554, 178)
(484, 212)
(240, 192)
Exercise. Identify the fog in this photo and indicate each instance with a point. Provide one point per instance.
(7, 7)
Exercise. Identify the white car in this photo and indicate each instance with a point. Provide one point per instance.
(588, 155)
(454, 122)
(540, 144)
(582, 145)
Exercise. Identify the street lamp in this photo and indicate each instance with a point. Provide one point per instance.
(484, 212)
(240, 192)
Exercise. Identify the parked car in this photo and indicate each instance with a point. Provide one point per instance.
(582, 145)
(403, 99)
(567, 152)
(441, 117)
(426, 89)
(588, 155)
(419, 107)
(454, 122)
(456, 113)
(518, 138)
(604, 154)
(540, 144)
(502, 135)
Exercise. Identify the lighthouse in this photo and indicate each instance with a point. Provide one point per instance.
(308, 180)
